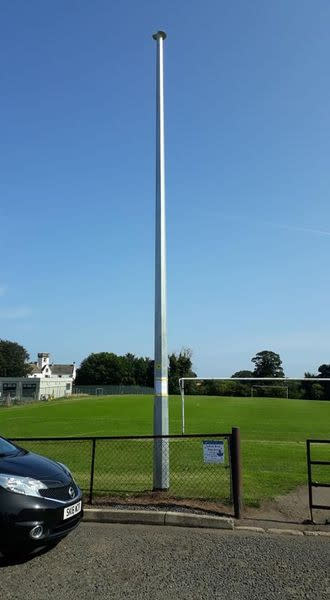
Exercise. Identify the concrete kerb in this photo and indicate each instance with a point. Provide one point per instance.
(155, 517)
(193, 520)
(180, 519)
(108, 515)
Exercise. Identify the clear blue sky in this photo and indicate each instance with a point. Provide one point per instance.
(248, 178)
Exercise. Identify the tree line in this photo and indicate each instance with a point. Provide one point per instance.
(268, 364)
(108, 368)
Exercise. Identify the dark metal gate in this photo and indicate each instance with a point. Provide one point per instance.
(315, 484)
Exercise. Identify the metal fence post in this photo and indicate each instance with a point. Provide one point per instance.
(236, 470)
(230, 469)
(309, 473)
(92, 472)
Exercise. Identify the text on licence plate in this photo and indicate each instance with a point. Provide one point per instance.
(70, 511)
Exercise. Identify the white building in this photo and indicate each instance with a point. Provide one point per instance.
(44, 369)
(45, 381)
(39, 388)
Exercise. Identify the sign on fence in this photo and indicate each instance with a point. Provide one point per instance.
(213, 451)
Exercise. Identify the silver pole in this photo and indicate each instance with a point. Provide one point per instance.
(181, 385)
(161, 446)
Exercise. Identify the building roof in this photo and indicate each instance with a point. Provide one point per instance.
(62, 369)
(35, 368)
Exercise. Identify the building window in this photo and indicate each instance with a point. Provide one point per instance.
(9, 386)
(29, 390)
(9, 389)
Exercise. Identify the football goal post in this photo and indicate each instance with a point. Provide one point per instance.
(286, 380)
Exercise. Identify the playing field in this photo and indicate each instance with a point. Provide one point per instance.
(273, 434)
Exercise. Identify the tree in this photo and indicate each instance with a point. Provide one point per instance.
(13, 360)
(128, 369)
(224, 388)
(296, 389)
(243, 373)
(267, 364)
(317, 391)
(144, 372)
(307, 385)
(320, 390)
(101, 368)
(243, 388)
(324, 371)
(180, 365)
(106, 368)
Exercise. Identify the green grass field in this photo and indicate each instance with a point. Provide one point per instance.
(273, 433)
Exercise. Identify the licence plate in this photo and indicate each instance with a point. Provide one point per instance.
(71, 511)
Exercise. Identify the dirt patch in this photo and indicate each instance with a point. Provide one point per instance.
(289, 508)
(293, 507)
(163, 501)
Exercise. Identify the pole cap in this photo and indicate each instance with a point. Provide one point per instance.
(159, 34)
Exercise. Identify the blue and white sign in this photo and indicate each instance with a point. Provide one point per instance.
(214, 451)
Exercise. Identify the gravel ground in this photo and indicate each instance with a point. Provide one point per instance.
(119, 562)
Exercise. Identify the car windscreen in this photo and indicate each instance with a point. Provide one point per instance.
(6, 448)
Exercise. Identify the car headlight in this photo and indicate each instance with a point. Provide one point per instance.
(22, 485)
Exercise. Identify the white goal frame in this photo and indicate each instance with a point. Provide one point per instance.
(247, 379)
(277, 387)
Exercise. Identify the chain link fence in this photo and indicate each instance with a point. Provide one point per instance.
(117, 467)
(111, 390)
(17, 400)
(28, 393)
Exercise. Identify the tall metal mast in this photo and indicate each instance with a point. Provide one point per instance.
(161, 446)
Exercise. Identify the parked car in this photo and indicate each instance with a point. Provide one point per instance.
(40, 502)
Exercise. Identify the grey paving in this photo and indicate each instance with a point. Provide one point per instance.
(110, 561)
